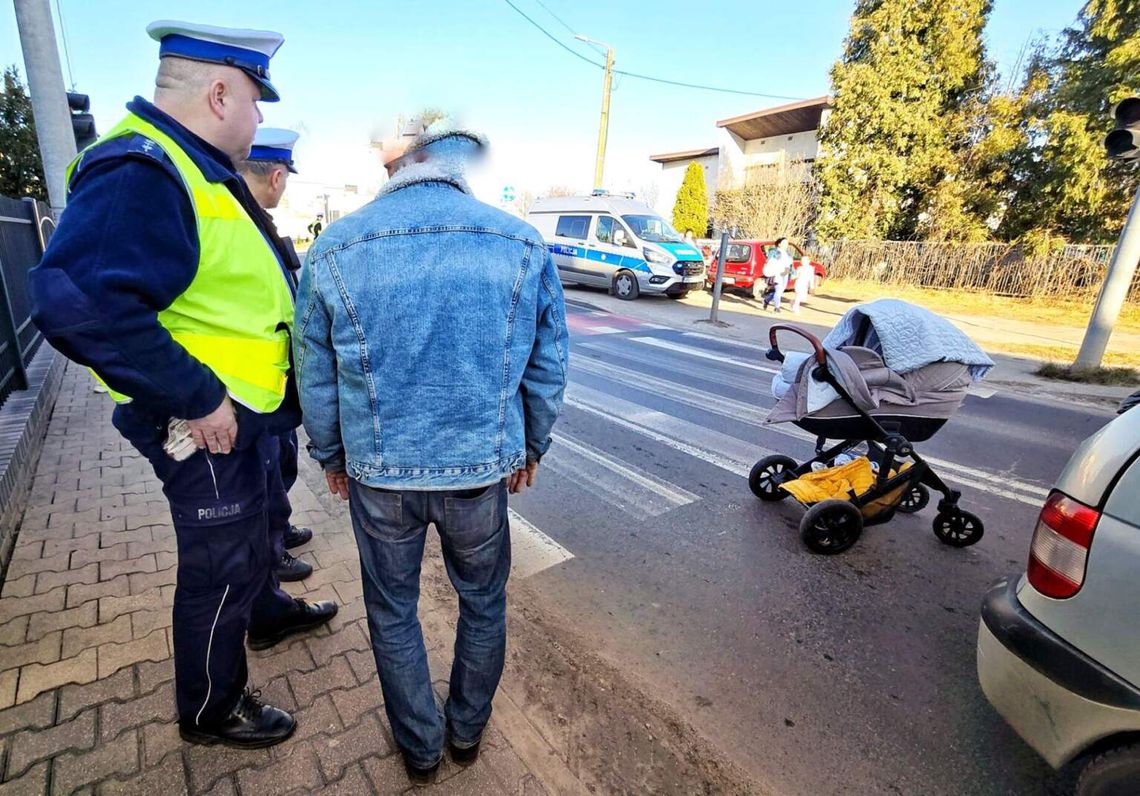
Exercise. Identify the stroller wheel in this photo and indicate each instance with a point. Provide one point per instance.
(831, 526)
(915, 500)
(958, 528)
(767, 475)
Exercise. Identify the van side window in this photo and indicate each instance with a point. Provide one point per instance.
(572, 227)
(605, 231)
(611, 231)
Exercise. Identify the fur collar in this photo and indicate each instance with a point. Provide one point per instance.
(445, 170)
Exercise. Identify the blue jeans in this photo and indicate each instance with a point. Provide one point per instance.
(473, 526)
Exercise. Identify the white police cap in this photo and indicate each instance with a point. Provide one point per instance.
(274, 145)
(244, 49)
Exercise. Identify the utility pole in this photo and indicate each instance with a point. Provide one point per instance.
(1113, 293)
(604, 127)
(1123, 143)
(49, 98)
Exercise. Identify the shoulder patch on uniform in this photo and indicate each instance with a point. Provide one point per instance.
(134, 145)
(127, 147)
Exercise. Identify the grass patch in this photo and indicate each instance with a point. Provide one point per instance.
(1114, 377)
(1050, 311)
(1113, 360)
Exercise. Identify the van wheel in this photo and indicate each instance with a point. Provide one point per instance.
(625, 286)
(1113, 773)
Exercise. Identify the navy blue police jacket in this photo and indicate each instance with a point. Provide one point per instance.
(125, 249)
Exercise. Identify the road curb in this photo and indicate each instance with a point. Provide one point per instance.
(23, 423)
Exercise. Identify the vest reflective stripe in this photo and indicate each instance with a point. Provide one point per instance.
(236, 316)
(230, 357)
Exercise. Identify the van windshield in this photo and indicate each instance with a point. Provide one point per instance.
(652, 229)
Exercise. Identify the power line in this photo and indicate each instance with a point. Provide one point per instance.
(635, 75)
(63, 37)
(559, 19)
(552, 37)
(703, 87)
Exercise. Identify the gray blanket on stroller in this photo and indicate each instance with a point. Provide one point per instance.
(909, 337)
(935, 390)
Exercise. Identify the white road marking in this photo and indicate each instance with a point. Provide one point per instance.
(532, 551)
(614, 481)
(727, 341)
(1003, 486)
(719, 450)
(742, 380)
(603, 330)
(678, 348)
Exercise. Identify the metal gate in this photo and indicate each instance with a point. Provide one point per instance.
(25, 228)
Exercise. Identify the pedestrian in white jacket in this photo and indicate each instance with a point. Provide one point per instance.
(778, 270)
(804, 276)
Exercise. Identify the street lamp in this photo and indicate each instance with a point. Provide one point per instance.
(604, 127)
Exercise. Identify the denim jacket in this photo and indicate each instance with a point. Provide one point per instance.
(430, 343)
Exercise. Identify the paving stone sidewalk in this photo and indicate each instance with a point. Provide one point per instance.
(86, 676)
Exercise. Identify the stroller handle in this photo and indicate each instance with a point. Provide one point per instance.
(776, 355)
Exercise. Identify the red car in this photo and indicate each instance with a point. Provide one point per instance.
(744, 264)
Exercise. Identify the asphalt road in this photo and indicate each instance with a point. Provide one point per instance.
(851, 674)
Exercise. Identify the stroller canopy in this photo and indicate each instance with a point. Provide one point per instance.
(908, 337)
(892, 358)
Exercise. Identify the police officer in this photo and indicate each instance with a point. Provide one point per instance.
(164, 279)
(266, 171)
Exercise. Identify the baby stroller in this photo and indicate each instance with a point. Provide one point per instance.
(889, 375)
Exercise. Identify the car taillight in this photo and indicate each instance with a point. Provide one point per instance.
(1060, 548)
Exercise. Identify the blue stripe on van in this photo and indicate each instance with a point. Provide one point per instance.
(621, 261)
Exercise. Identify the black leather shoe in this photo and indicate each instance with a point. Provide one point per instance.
(289, 569)
(250, 725)
(421, 777)
(295, 537)
(307, 616)
(461, 755)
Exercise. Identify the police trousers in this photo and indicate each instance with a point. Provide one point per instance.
(283, 471)
(225, 582)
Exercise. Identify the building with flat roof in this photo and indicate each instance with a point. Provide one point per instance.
(755, 146)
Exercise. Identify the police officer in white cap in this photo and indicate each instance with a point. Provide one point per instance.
(165, 279)
(266, 171)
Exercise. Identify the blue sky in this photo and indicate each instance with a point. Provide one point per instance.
(349, 67)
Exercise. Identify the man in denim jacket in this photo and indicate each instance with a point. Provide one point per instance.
(431, 354)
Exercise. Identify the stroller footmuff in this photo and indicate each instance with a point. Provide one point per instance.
(889, 375)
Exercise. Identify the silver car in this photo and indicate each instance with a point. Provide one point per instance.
(1059, 647)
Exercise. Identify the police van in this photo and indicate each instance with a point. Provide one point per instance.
(613, 241)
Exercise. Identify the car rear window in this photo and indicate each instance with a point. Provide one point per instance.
(738, 253)
(572, 227)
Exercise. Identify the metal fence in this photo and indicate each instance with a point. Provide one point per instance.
(25, 228)
(1070, 272)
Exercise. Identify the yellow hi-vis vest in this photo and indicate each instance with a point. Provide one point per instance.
(236, 317)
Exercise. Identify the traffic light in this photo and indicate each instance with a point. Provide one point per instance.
(82, 122)
(1123, 143)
